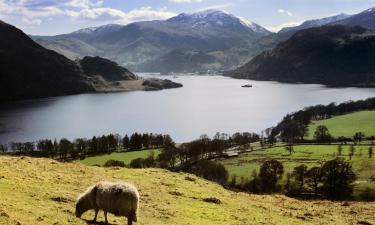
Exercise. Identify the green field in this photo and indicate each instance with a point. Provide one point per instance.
(126, 157)
(43, 191)
(347, 125)
(310, 155)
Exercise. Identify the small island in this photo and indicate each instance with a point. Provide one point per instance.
(247, 86)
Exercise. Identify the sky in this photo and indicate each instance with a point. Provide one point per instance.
(51, 17)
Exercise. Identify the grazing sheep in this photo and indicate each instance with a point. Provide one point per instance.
(118, 198)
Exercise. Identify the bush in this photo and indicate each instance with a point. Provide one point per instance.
(137, 163)
(114, 163)
(211, 170)
(367, 195)
(270, 172)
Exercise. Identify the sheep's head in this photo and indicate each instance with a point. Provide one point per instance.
(82, 206)
(79, 209)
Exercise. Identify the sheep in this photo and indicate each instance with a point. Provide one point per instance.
(118, 198)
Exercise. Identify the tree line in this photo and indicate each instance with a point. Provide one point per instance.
(65, 149)
(293, 127)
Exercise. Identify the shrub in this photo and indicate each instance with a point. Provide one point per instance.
(137, 163)
(211, 170)
(114, 163)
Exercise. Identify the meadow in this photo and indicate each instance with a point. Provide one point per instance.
(126, 157)
(310, 155)
(47, 196)
(347, 125)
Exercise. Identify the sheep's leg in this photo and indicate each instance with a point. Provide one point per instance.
(105, 216)
(96, 215)
(130, 220)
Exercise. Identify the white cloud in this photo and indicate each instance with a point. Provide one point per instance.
(283, 11)
(32, 12)
(185, 1)
(118, 16)
(219, 6)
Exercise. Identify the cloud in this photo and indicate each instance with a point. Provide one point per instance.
(283, 11)
(219, 6)
(185, 1)
(118, 16)
(32, 12)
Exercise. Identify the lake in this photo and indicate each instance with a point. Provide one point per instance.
(205, 105)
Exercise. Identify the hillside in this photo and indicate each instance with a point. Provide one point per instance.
(41, 191)
(30, 71)
(347, 125)
(331, 55)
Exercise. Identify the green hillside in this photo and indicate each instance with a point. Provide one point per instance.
(347, 125)
(310, 155)
(43, 191)
(126, 157)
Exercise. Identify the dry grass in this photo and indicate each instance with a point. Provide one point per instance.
(42, 191)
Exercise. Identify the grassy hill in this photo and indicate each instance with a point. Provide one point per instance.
(310, 155)
(43, 191)
(347, 125)
(126, 157)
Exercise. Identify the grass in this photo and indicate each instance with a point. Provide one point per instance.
(310, 155)
(126, 157)
(43, 191)
(347, 125)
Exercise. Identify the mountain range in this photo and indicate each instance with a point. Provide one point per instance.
(211, 40)
(210, 32)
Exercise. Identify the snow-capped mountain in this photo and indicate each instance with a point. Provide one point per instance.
(99, 30)
(316, 23)
(216, 19)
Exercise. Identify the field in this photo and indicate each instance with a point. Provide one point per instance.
(43, 191)
(126, 157)
(347, 125)
(310, 155)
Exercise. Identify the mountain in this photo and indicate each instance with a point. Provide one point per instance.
(181, 61)
(109, 70)
(365, 19)
(141, 42)
(30, 71)
(331, 55)
(315, 23)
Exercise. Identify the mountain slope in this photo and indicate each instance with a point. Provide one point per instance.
(365, 19)
(136, 43)
(31, 71)
(315, 23)
(332, 55)
(70, 48)
(43, 191)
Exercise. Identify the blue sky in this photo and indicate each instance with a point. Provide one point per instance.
(63, 16)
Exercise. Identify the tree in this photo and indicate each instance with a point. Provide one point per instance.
(65, 147)
(339, 150)
(322, 134)
(358, 137)
(370, 152)
(3, 148)
(337, 177)
(126, 142)
(270, 172)
(289, 148)
(313, 178)
(351, 151)
(299, 174)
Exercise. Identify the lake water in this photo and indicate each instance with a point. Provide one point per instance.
(205, 105)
